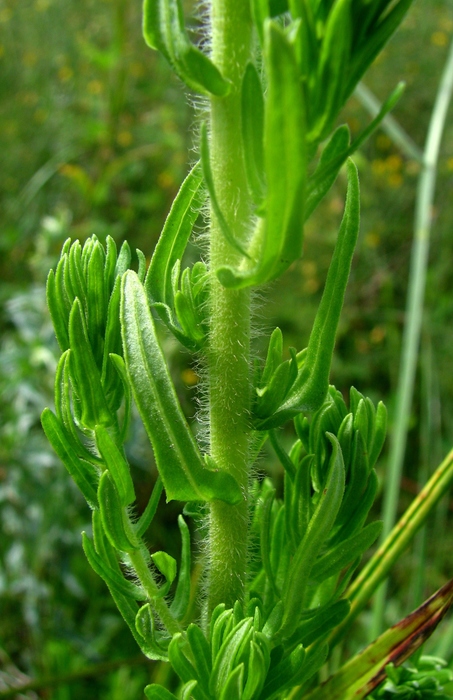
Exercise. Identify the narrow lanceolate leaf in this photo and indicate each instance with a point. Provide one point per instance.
(334, 57)
(331, 166)
(116, 464)
(164, 30)
(177, 456)
(113, 515)
(346, 552)
(253, 131)
(126, 604)
(174, 237)
(85, 375)
(358, 678)
(83, 473)
(112, 578)
(317, 532)
(209, 181)
(181, 600)
(277, 241)
(58, 311)
(338, 144)
(310, 388)
(158, 692)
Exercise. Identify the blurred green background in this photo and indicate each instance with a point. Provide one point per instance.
(95, 137)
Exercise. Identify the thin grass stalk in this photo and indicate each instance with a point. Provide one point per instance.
(414, 315)
(426, 432)
(390, 125)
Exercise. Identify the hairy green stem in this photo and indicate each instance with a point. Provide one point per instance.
(229, 346)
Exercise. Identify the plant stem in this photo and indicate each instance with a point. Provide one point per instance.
(159, 605)
(229, 347)
(414, 315)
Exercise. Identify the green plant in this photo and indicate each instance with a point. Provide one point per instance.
(277, 567)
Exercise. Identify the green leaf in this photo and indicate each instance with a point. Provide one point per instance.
(164, 30)
(333, 61)
(274, 356)
(315, 658)
(126, 606)
(285, 461)
(181, 664)
(346, 552)
(226, 656)
(271, 397)
(321, 623)
(260, 13)
(232, 689)
(110, 378)
(150, 510)
(376, 37)
(58, 312)
(114, 519)
(310, 388)
(329, 170)
(209, 182)
(97, 301)
(174, 237)
(358, 512)
(85, 375)
(301, 506)
(281, 676)
(337, 144)
(110, 262)
(177, 456)
(116, 464)
(278, 236)
(201, 653)
(124, 260)
(158, 692)
(120, 368)
(181, 600)
(187, 691)
(309, 548)
(265, 540)
(146, 628)
(167, 566)
(257, 668)
(253, 131)
(84, 474)
(76, 276)
(112, 578)
(63, 406)
(379, 434)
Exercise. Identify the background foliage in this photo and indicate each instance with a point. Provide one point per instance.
(95, 134)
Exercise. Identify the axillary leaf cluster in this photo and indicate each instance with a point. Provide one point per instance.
(278, 561)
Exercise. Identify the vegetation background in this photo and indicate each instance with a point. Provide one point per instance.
(95, 137)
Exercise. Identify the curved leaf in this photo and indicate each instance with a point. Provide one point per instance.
(164, 30)
(177, 456)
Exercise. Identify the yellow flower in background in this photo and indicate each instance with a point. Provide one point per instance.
(124, 138)
(372, 239)
(95, 87)
(65, 74)
(439, 38)
(5, 15)
(29, 58)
